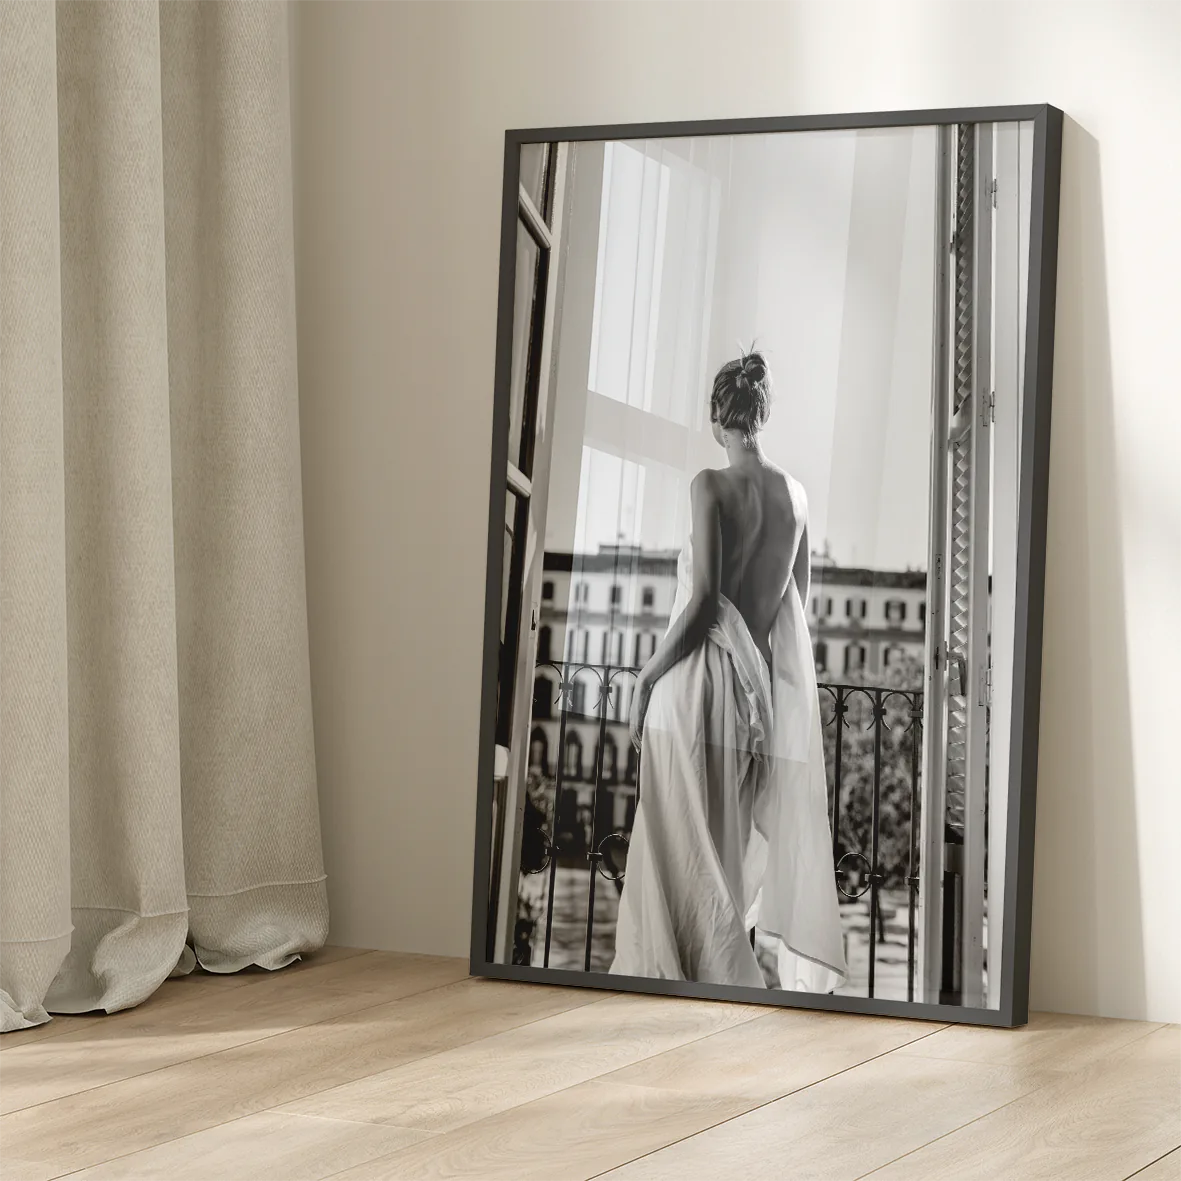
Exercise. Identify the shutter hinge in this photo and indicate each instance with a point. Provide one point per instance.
(994, 194)
(986, 686)
(988, 408)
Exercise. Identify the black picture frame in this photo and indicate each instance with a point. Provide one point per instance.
(1047, 124)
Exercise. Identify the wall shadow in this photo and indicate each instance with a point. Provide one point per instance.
(1088, 941)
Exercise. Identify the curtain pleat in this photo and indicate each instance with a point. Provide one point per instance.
(34, 732)
(180, 650)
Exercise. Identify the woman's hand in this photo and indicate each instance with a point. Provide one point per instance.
(639, 708)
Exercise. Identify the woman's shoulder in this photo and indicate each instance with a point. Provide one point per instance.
(706, 482)
(794, 487)
(785, 481)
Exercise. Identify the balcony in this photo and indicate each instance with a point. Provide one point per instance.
(583, 788)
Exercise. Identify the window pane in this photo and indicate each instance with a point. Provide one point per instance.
(534, 173)
(657, 239)
(528, 260)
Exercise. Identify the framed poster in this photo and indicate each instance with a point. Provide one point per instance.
(766, 558)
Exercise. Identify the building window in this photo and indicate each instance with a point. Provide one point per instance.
(547, 591)
(892, 655)
(895, 611)
(573, 766)
(648, 598)
(578, 644)
(612, 647)
(545, 639)
(816, 607)
(616, 595)
(633, 764)
(543, 697)
(581, 592)
(827, 607)
(854, 658)
(855, 608)
(923, 614)
(578, 698)
(645, 645)
(539, 751)
(620, 819)
(821, 656)
(610, 765)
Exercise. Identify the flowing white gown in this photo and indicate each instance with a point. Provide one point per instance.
(731, 831)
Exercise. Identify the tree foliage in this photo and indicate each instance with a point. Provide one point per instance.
(877, 707)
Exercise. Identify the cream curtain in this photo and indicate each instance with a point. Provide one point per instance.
(156, 759)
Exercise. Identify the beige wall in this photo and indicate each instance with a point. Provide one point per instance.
(401, 109)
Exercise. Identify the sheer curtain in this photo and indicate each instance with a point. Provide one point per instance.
(157, 775)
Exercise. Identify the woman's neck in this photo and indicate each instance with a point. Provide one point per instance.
(743, 454)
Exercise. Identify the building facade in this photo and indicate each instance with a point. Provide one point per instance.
(865, 621)
(602, 616)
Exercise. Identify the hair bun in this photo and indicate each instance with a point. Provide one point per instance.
(741, 397)
(754, 368)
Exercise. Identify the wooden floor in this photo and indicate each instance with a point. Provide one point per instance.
(360, 1064)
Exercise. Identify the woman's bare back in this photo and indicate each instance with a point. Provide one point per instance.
(762, 520)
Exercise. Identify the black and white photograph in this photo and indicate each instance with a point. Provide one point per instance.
(758, 573)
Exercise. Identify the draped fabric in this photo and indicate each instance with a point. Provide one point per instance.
(157, 776)
(731, 831)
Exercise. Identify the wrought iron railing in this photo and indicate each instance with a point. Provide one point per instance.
(873, 740)
(874, 716)
(606, 848)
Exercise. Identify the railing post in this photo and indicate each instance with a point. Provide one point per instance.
(875, 874)
(836, 771)
(565, 690)
(592, 854)
(912, 875)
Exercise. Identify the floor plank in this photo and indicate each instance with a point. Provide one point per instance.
(182, 991)
(268, 1146)
(844, 1126)
(571, 1135)
(1165, 1168)
(517, 1066)
(88, 1128)
(783, 1051)
(151, 1037)
(1060, 1041)
(65, 1023)
(1116, 1115)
